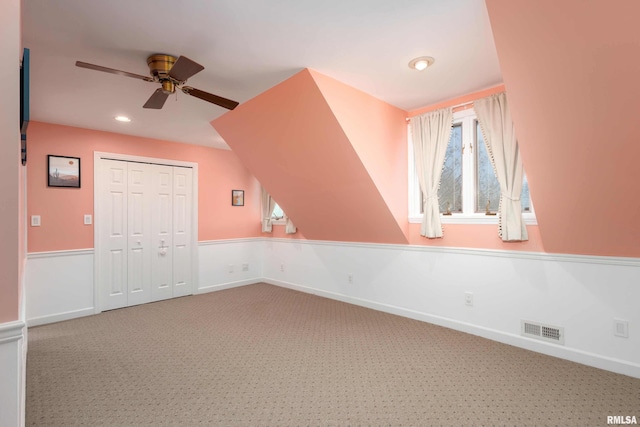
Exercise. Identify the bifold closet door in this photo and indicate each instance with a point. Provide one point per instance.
(182, 245)
(145, 232)
(112, 254)
(139, 232)
(162, 232)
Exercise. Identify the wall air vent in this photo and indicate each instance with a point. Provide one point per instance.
(543, 332)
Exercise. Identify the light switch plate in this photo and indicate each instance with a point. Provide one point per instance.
(35, 220)
(87, 219)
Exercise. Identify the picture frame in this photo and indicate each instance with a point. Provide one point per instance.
(237, 197)
(63, 171)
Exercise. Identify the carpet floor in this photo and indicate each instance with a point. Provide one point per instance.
(261, 355)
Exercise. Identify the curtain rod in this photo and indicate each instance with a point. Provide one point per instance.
(458, 107)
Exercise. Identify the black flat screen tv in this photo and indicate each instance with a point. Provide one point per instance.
(24, 103)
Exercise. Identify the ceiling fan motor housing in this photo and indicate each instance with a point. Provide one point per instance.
(159, 65)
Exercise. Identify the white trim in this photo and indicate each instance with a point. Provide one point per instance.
(55, 254)
(226, 241)
(11, 331)
(97, 155)
(579, 356)
(456, 218)
(214, 288)
(43, 320)
(544, 256)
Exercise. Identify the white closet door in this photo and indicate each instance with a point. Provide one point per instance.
(162, 233)
(112, 261)
(182, 205)
(139, 232)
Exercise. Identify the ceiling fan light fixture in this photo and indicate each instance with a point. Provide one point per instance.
(421, 63)
(168, 87)
(124, 119)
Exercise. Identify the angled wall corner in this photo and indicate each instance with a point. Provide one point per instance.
(571, 73)
(338, 176)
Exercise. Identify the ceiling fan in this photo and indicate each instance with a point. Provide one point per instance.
(171, 73)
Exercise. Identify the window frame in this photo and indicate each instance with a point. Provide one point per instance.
(466, 118)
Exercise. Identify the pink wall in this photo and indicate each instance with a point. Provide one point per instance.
(571, 71)
(62, 209)
(11, 232)
(291, 140)
(378, 133)
(479, 236)
(385, 160)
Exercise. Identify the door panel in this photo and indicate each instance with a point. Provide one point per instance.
(139, 232)
(162, 240)
(182, 200)
(112, 258)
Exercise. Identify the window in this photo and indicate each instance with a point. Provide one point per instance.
(468, 185)
(278, 215)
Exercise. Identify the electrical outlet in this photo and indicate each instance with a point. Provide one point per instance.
(35, 220)
(621, 328)
(281, 267)
(468, 299)
(350, 278)
(245, 266)
(230, 268)
(87, 219)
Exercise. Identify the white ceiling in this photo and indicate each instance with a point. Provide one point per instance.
(246, 47)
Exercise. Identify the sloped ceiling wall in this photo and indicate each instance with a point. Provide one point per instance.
(328, 154)
(571, 69)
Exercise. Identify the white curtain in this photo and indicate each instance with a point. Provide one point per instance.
(500, 137)
(290, 228)
(430, 134)
(268, 204)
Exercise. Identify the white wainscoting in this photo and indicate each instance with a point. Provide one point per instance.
(59, 284)
(12, 361)
(579, 293)
(221, 263)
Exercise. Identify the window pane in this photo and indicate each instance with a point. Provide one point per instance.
(277, 212)
(450, 192)
(487, 186)
(524, 197)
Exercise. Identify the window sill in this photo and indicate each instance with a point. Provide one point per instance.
(529, 219)
(280, 221)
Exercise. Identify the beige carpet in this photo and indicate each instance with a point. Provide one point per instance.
(261, 355)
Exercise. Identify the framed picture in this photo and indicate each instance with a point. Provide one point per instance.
(63, 171)
(237, 197)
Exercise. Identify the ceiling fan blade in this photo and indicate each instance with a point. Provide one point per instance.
(214, 99)
(184, 68)
(112, 71)
(157, 100)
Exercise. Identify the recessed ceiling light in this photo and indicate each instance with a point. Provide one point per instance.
(421, 63)
(122, 118)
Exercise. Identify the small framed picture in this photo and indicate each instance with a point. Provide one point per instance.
(63, 171)
(237, 197)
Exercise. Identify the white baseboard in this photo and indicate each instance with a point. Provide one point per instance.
(585, 358)
(59, 317)
(229, 285)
